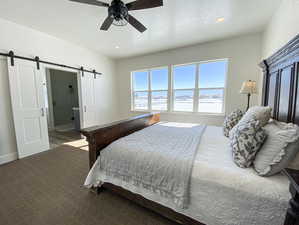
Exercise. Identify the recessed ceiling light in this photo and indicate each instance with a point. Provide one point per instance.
(116, 46)
(219, 20)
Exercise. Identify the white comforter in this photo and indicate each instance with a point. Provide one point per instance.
(158, 158)
(221, 193)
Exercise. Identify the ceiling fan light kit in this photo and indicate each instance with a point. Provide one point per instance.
(118, 12)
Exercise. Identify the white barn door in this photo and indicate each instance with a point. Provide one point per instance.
(88, 100)
(28, 104)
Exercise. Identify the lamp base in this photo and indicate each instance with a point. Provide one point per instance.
(248, 101)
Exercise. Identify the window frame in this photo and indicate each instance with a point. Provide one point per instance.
(171, 90)
(197, 88)
(149, 90)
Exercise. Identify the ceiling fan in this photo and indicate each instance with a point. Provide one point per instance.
(118, 12)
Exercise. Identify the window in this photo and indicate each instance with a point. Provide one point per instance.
(211, 84)
(198, 87)
(159, 87)
(184, 87)
(140, 85)
(150, 89)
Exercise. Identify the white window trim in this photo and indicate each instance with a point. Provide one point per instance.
(171, 90)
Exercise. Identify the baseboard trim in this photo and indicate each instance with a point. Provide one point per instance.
(8, 158)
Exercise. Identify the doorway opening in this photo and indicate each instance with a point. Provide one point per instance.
(63, 108)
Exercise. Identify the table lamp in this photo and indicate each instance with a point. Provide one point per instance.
(249, 88)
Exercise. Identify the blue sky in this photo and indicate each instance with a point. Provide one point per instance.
(184, 76)
(211, 75)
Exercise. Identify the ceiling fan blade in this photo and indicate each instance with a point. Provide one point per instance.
(144, 4)
(92, 2)
(135, 23)
(107, 23)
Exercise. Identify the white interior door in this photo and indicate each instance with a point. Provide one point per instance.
(88, 100)
(28, 104)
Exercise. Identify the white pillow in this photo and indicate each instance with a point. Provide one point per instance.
(260, 113)
(279, 150)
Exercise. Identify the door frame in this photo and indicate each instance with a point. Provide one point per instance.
(79, 83)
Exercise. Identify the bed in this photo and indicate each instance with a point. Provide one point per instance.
(210, 194)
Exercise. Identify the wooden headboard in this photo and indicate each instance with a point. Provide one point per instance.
(281, 82)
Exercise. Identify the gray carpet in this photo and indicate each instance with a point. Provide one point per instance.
(46, 189)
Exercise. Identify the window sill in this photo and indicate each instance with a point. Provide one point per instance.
(182, 113)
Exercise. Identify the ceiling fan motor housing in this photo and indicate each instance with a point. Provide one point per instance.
(118, 10)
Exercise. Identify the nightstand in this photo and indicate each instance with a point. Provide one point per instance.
(292, 216)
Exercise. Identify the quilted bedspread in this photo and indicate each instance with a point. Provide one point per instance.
(158, 158)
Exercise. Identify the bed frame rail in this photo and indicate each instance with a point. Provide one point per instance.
(99, 137)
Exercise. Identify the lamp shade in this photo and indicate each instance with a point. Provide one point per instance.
(248, 87)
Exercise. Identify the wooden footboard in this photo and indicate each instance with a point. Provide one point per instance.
(99, 137)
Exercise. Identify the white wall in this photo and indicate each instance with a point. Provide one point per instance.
(283, 26)
(244, 54)
(26, 41)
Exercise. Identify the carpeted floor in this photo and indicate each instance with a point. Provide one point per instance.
(46, 189)
(58, 138)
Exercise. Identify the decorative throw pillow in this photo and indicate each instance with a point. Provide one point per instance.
(246, 141)
(260, 113)
(231, 120)
(279, 150)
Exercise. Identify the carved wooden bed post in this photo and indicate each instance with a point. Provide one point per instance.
(265, 68)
